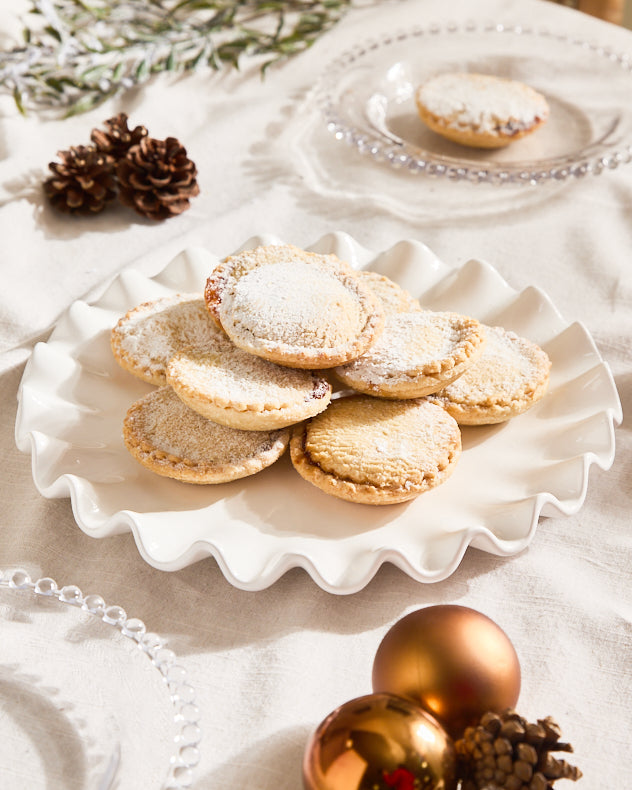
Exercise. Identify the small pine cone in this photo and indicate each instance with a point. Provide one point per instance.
(83, 182)
(506, 752)
(118, 138)
(156, 178)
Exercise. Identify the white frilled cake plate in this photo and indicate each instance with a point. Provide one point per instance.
(73, 398)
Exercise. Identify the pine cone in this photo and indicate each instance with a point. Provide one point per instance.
(83, 182)
(506, 752)
(118, 138)
(156, 178)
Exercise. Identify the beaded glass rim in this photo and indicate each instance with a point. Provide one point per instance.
(182, 695)
(399, 154)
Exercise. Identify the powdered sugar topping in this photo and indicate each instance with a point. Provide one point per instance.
(382, 442)
(294, 304)
(415, 343)
(230, 377)
(150, 334)
(482, 103)
(166, 424)
(509, 367)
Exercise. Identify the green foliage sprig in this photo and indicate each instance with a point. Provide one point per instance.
(79, 53)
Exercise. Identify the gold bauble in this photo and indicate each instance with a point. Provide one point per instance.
(453, 661)
(378, 742)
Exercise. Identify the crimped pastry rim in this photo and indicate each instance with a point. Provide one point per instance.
(297, 355)
(184, 389)
(179, 468)
(496, 408)
(469, 134)
(472, 137)
(422, 379)
(151, 374)
(360, 492)
(495, 412)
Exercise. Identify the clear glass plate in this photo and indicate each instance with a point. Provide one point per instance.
(89, 700)
(367, 97)
(73, 398)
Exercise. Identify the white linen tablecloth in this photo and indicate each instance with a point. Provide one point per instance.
(268, 666)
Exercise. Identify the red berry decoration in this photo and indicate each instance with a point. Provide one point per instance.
(400, 779)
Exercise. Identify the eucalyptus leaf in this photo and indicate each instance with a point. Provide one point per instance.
(87, 102)
(17, 98)
(72, 63)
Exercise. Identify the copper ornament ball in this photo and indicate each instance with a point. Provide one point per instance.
(378, 742)
(452, 661)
